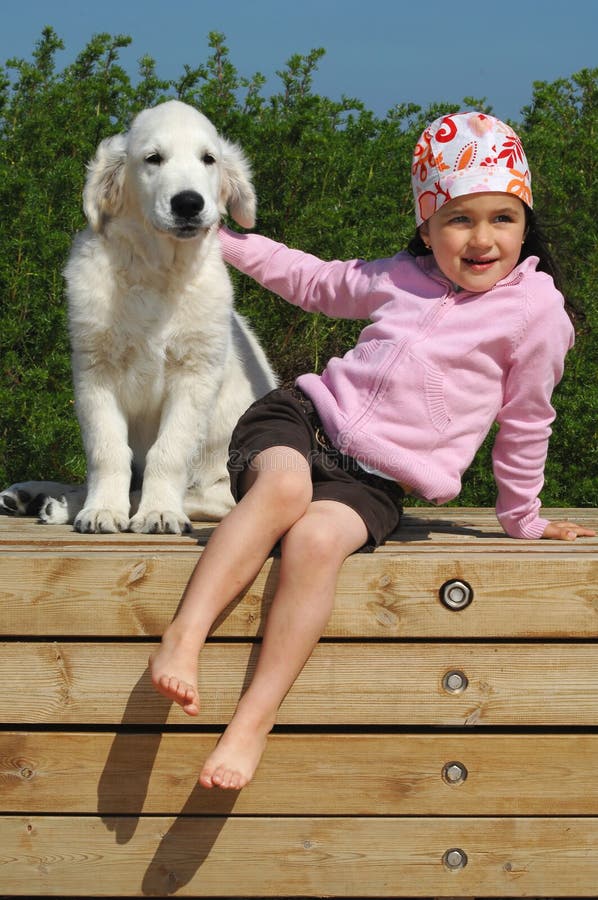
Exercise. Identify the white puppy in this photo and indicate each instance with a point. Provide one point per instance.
(162, 365)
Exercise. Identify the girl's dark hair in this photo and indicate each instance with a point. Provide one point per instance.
(536, 244)
(416, 246)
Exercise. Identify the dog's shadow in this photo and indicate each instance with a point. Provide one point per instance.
(186, 845)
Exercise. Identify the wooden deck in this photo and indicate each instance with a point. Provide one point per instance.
(425, 751)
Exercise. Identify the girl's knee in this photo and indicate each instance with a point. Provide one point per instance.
(325, 535)
(313, 540)
(285, 484)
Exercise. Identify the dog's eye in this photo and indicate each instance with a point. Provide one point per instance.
(154, 159)
(208, 159)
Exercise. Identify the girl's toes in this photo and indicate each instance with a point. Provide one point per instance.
(218, 776)
(236, 782)
(205, 779)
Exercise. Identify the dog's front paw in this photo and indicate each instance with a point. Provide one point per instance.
(21, 500)
(165, 522)
(101, 521)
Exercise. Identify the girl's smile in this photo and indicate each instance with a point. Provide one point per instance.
(476, 239)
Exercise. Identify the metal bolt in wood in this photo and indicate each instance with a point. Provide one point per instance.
(455, 682)
(455, 858)
(454, 773)
(456, 594)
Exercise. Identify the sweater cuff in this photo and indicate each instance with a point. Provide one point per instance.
(231, 243)
(530, 529)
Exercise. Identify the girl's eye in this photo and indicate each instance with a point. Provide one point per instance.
(154, 159)
(505, 217)
(457, 220)
(208, 159)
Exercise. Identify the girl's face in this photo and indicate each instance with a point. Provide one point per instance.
(476, 240)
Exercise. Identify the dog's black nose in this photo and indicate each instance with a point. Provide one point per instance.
(187, 204)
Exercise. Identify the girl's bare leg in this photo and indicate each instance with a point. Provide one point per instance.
(279, 490)
(313, 551)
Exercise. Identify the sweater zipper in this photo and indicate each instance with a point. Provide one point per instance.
(438, 312)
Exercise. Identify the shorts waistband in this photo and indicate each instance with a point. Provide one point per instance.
(349, 462)
(311, 412)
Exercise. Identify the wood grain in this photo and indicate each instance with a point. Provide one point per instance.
(310, 857)
(98, 773)
(357, 684)
(386, 595)
(303, 774)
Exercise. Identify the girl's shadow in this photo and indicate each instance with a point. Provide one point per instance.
(126, 775)
(187, 843)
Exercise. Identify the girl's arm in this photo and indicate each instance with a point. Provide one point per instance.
(521, 446)
(340, 289)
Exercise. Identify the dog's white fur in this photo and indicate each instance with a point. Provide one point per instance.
(162, 365)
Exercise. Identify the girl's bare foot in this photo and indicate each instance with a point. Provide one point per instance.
(173, 668)
(236, 756)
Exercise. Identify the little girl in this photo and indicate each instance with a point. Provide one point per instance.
(467, 328)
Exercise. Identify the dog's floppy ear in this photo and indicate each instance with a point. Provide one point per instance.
(237, 193)
(104, 186)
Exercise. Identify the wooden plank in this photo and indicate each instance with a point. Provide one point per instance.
(303, 774)
(120, 585)
(377, 684)
(378, 595)
(310, 857)
(454, 524)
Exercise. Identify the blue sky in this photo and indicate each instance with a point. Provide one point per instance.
(381, 51)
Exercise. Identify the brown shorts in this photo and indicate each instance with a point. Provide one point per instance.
(287, 418)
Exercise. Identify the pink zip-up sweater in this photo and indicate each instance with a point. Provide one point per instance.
(417, 395)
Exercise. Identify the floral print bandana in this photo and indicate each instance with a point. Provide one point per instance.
(467, 153)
